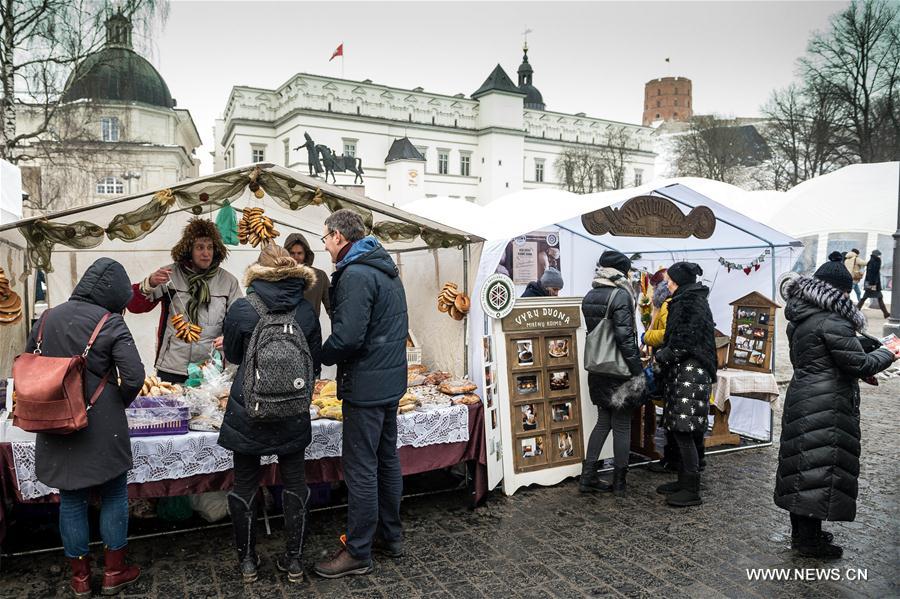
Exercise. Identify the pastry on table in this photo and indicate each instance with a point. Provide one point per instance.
(457, 386)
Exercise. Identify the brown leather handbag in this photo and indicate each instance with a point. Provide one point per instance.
(49, 392)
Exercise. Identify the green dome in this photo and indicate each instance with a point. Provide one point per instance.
(118, 73)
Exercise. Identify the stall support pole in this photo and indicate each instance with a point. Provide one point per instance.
(466, 320)
(893, 323)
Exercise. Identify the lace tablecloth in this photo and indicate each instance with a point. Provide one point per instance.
(180, 456)
(755, 385)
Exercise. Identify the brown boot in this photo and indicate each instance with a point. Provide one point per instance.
(81, 576)
(116, 573)
(341, 564)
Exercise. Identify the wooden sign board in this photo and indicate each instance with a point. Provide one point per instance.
(542, 318)
(752, 333)
(651, 216)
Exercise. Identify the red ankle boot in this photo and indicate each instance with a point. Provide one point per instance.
(81, 576)
(116, 573)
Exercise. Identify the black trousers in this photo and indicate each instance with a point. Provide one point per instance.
(690, 458)
(807, 529)
(374, 480)
(672, 453)
(247, 471)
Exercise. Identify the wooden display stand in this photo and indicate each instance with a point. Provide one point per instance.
(752, 333)
(721, 434)
(541, 391)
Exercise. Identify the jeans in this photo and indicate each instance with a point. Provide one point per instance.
(617, 421)
(247, 473)
(373, 477)
(857, 291)
(73, 517)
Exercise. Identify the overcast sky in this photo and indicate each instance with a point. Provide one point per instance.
(591, 57)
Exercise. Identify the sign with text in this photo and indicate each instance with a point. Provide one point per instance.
(538, 319)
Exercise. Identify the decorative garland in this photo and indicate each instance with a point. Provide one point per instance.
(43, 235)
(747, 268)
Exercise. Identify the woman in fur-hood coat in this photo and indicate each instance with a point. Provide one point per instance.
(818, 458)
(613, 294)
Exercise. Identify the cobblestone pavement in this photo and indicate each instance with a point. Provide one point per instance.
(555, 542)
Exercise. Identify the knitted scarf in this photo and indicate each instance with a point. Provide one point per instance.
(198, 289)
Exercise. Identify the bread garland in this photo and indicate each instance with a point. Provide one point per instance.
(453, 302)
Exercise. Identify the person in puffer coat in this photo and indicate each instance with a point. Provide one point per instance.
(818, 457)
(368, 343)
(95, 459)
(279, 282)
(615, 398)
(687, 364)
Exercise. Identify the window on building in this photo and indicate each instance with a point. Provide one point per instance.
(110, 186)
(638, 177)
(465, 162)
(676, 102)
(287, 152)
(258, 154)
(657, 115)
(676, 114)
(443, 162)
(658, 92)
(539, 171)
(109, 128)
(350, 147)
(658, 103)
(676, 91)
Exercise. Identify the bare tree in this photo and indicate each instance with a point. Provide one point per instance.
(717, 148)
(857, 63)
(588, 169)
(41, 44)
(803, 134)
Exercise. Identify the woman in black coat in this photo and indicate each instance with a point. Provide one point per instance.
(615, 398)
(687, 364)
(97, 457)
(279, 282)
(818, 458)
(872, 283)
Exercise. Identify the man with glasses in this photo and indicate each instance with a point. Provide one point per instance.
(368, 344)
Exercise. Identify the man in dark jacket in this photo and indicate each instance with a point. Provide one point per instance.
(96, 458)
(818, 457)
(368, 344)
(548, 285)
(279, 282)
(872, 283)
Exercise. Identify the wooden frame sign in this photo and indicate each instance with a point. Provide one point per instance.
(752, 333)
(651, 216)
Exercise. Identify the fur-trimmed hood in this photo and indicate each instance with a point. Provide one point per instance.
(257, 272)
(605, 276)
(808, 295)
(195, 229)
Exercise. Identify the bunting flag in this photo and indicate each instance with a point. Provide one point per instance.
(751, 266)
(339, 51)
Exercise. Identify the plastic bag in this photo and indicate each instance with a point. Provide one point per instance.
(227, 224)
(212, 506)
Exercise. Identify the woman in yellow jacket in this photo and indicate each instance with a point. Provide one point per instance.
(653, 338)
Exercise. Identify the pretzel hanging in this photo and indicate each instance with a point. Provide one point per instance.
(255, 227)
(185, 330)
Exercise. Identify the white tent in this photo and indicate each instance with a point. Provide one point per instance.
(424, 262)
(854, 207)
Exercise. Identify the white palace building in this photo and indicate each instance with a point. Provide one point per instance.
(414, 144)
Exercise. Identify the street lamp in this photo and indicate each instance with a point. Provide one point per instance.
(893, 323)
(129, 176)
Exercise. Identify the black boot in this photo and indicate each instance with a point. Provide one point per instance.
(669, 488)
(291, 561)
(243, 518)
(689, 493)
(826, 537)
(618, 485)
(811, 541)
(590, 482)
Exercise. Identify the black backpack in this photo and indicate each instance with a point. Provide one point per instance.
(278, 366)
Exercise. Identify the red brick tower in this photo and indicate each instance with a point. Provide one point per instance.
(667, 99)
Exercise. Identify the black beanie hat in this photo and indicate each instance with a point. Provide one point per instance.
(835, 273)
(684, 273)
(614, 259)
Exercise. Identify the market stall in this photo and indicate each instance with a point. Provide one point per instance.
(437, 416)
(533, 230)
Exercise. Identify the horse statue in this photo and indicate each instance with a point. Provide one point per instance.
(334, 163)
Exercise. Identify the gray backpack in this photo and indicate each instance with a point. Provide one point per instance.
(278, 366)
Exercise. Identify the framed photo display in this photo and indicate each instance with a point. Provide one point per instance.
(542, 359)
(752, 333)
